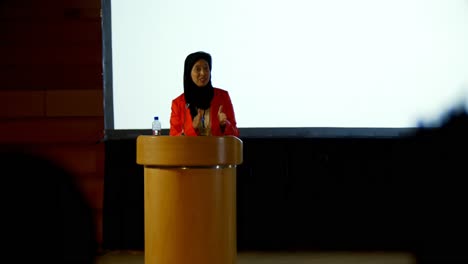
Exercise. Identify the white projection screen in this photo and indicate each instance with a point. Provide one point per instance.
(293, 68)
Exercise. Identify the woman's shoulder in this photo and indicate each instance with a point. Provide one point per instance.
(219, 91)
(179, 99)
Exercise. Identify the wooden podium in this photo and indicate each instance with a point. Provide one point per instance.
(190, 198)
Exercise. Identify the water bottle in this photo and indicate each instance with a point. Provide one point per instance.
(156, 126)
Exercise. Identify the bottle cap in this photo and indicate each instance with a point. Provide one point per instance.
(156, 118)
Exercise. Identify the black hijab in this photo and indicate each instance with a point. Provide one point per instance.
(197, 97)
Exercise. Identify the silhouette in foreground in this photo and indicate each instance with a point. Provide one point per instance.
(47, 216)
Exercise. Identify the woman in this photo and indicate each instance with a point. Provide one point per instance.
(202, 110)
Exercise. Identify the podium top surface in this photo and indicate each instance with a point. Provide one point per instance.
(188, 150)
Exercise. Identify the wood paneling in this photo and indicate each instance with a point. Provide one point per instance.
(74, 103)
(50, 55)
(53, 13)
(85, 159)
(51, 33)
(20, 104)
(54, 103)
(51, 87)
(33, 4)
(51, 130)
(51, 77)
(92, 189)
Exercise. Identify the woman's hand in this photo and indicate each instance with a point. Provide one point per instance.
(221, 116)
(196, 119)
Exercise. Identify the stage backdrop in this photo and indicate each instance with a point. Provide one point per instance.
(293, 68)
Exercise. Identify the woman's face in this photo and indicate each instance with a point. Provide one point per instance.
(201, 73)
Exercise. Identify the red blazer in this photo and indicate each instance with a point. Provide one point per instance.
(181, 120)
